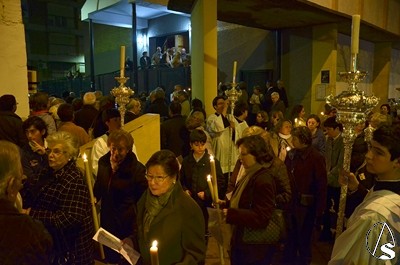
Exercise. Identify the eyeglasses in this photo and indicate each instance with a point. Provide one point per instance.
(157, 179)
(56, 152)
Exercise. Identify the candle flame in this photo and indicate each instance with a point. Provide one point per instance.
(288, 148)
(84, 157)
(208, 177)
(154, 244)
(322, 113)
(211, 158)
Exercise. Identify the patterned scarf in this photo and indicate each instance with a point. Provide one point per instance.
(153, 205)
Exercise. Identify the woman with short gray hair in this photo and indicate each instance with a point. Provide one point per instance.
(60, 199)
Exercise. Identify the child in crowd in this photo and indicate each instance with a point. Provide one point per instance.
(194, 171)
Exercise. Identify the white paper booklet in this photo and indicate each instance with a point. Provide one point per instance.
(107, 239)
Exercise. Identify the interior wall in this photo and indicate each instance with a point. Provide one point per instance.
(395, 75)
(252, 48)
(297, 66)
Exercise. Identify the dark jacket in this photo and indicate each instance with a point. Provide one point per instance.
(24, 241)
(119, 192)
(173, 134)
(307, 172)
(279, 173)
(85, 116)
(158, 106)
(62, 204)
(11, 128)
(256, 205)
(318, 141)
(194, 178)
(178, 228)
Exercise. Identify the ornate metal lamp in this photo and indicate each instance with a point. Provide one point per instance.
(352, 107)
(122, 92)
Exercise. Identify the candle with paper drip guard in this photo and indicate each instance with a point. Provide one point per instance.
(122, 62)
(88, 177)
(214, 178)
(154, 253)
(210, 186)
(355, 33)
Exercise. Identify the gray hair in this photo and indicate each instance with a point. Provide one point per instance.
(67, 140)
(10, 164)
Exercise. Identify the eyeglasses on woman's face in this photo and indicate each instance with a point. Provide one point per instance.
(157, 179)
(55, 152)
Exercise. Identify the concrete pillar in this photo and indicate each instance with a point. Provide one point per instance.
(204, 52)
(382, 67)
(324, 60)
(13, 69)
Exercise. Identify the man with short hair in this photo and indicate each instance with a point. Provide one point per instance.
(66, 114)
(173, 131)
(86, 115)
(373, 230)
(334, 154)
(10, 123)
(145, 62)
(133, 109)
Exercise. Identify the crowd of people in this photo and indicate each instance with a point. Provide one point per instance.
(265, 159)
(168, 58)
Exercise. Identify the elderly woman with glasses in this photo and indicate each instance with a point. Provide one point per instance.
(23, 240)
(119, 185)
(167, 214)
(60, 199)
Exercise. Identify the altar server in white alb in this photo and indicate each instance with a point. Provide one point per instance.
(224, 130)
(373, 230)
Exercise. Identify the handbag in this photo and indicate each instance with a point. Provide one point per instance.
(272, 234)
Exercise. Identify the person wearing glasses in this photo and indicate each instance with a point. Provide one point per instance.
(119, 185)
(59, 198)
(23, 240)
(167, 214)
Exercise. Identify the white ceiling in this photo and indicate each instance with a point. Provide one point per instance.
(119, 13)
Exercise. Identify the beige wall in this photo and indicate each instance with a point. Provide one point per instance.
(13, 69)
(380, 13)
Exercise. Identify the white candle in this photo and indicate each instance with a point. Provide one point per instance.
(122, 62)
(234, 71)
(355, 33)
(210, 186)
(154, 253)
(214, 178)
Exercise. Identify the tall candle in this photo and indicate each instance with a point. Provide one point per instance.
(214, 178)
(355, 34)
(88, 176)
(210, 186)
(154, 253)
(122, 62)
(234, 71)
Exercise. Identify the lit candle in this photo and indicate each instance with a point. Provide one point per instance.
(154, 253)
(214, 178)
(210, 186)
(355, 33)
(234, 71)
(122, 62)
(296, 122)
